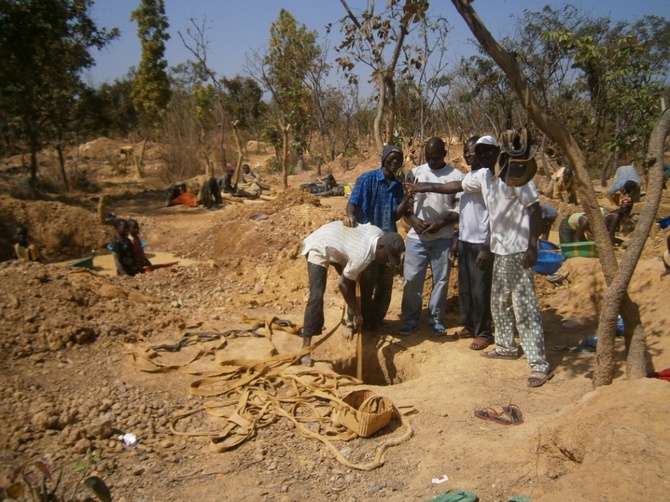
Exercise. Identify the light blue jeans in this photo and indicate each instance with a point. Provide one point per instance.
(418, 255)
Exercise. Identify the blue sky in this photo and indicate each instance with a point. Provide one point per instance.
(238, 26)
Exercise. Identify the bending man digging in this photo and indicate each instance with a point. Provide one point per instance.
(350, 251)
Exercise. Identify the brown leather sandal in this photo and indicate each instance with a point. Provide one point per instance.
(480, 343)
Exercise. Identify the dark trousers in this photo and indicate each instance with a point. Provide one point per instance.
(313, 322)
(474, 290)
(376, 288)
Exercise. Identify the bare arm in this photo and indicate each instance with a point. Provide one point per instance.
(535, 217)
(584, 226)
(444, 188)
(349, 219)
(348, 289)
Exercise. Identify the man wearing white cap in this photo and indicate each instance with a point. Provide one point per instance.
(515, 221)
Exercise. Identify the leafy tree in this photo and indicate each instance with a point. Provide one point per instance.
(44, 48)
(623, 70)
(617, 277)
(368, 38)
(243, 101)
(151, 88)
(107, 110)
(283, 70)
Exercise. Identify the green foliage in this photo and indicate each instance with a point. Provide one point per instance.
(292, 56)
(106, 111)
(243, 100)
(35, 481)
(623, 68)
(151, 88)
(44, 47)
(292, 53)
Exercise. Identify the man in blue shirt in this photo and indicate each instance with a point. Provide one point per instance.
(377, 198)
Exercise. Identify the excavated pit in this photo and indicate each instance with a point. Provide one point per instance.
(384, 362)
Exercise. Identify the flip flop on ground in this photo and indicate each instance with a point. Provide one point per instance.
(514, 413)
(455, 496)
(492, 416)
(480, 343)
(493, 354)
(439, 329)
(537, 378)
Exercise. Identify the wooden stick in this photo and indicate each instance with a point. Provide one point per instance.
(359, 338)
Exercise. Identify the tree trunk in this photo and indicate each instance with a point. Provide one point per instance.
(61, 162)
(543, 157)
(604, 171)
(380, 114)
(139, 160)
(238, 146)
(32, 181)
(617, 279)
(102, 208)
(637, 361)
(284, 153)
(222, 139)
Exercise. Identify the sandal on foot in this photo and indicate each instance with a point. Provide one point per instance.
(439, 329)
(492, 416)
(408, 329)
(493, 354)
(514, 413)
(464, 333)
(480, 343)
(537, 378)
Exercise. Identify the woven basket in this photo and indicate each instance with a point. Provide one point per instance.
(365, 412)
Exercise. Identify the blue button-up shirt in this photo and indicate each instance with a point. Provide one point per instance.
(377, 200)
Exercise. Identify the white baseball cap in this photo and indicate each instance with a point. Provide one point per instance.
(487, 140)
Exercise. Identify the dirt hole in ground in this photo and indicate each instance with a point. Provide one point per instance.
(384, 362)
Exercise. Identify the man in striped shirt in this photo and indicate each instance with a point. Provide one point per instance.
(350, 251)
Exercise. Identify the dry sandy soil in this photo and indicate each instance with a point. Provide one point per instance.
(69, 384)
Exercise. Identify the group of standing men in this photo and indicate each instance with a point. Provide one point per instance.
(496, 247)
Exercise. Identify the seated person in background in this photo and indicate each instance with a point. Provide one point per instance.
(123, 251)
(175, 190)
(249, 175)
(329, 184)
(573, 228)
(614, 218)
(22, 249)
(252, 191)
(134, 236)
(576, 227)
(549, 215)
(626, 182)
(563, 183)
(210, 194)
(226, 181)
(178, 193)
(666, 258)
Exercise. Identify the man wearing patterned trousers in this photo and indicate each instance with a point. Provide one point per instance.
(514, 222)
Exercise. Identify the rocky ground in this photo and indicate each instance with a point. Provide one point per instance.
(70, 387)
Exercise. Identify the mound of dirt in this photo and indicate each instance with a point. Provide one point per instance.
(61, 231)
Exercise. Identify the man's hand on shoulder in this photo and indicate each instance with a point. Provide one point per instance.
(349, 221)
